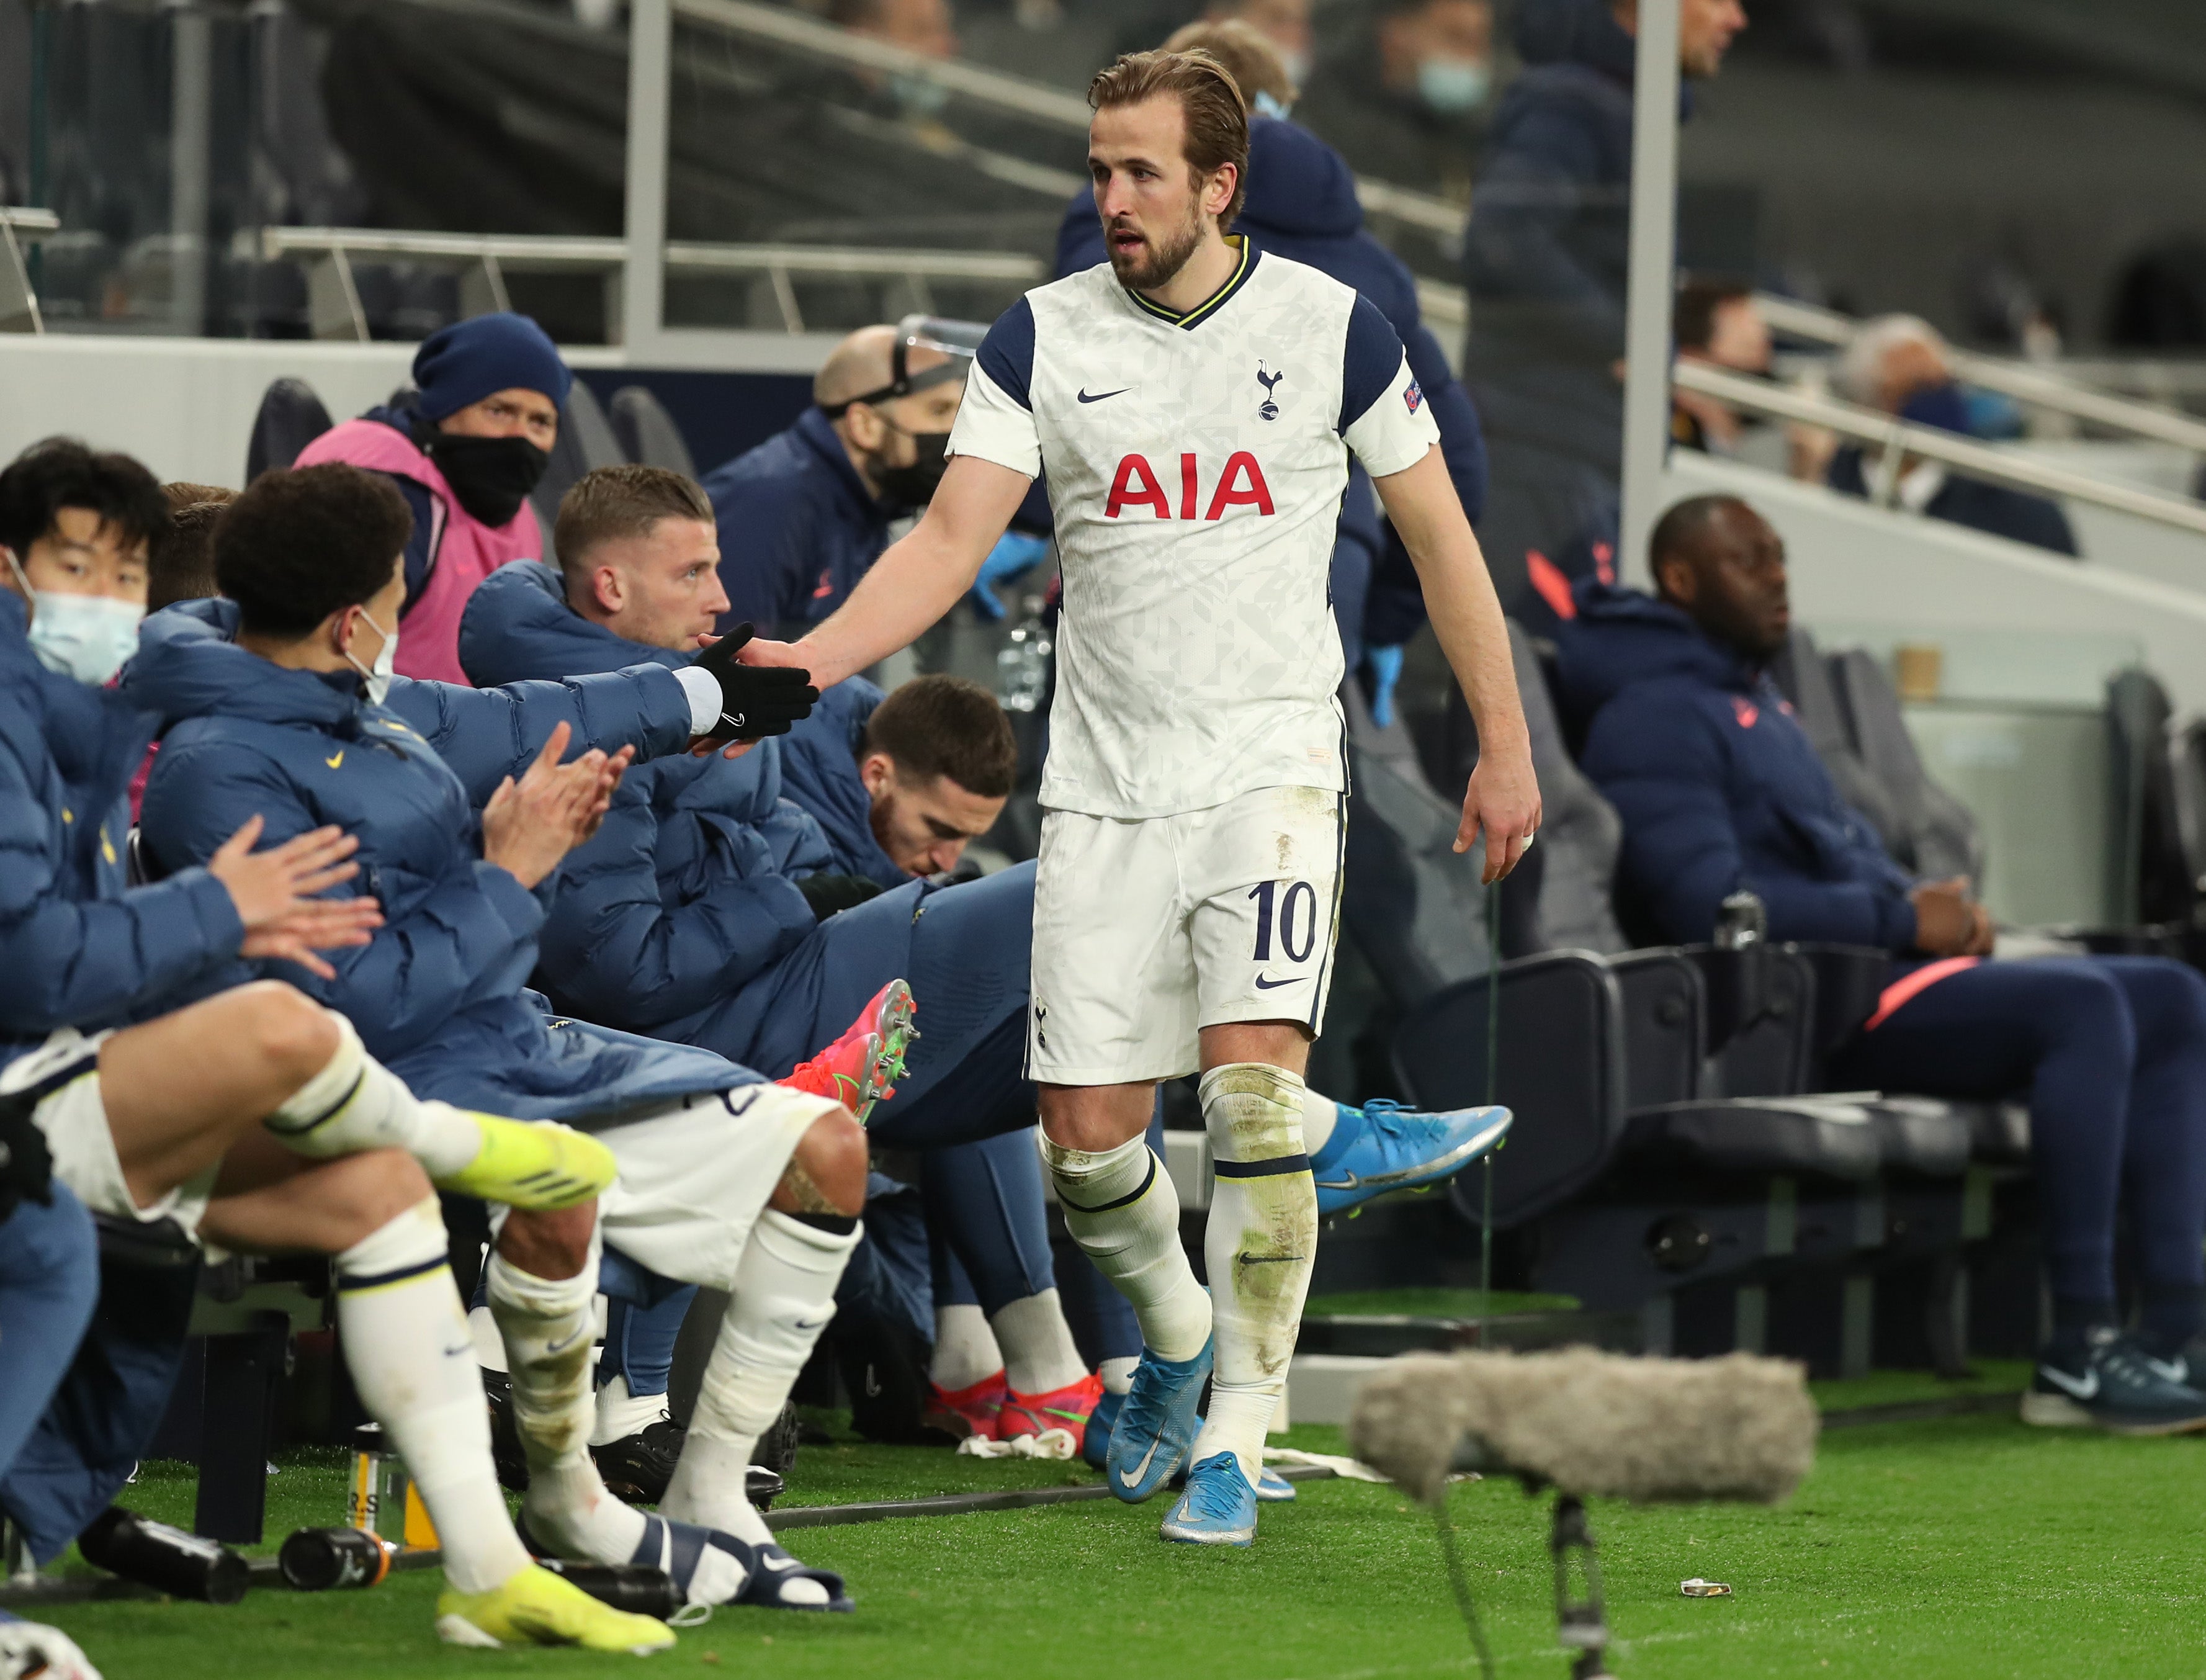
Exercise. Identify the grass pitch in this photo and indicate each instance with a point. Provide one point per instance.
(1963, 1548)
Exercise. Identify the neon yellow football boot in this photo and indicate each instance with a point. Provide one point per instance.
(538, 1608)
(533, 1164)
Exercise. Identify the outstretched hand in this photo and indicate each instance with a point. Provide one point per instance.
(757, 697)
(273, 892)
(1503, 802)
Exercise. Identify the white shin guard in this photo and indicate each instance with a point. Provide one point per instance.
(1121, 1207)
(1260, 1247)
(405, 1338)
(782, 1296)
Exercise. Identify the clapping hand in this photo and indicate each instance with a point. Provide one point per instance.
(274, 893)
(529, 826)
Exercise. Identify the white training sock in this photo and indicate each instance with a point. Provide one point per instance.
(548, 1325)
(1258, 1248)
(781, 1298)
(356, 1103)
(1118, 1375)
(1120, 1207)
(1039, 1354)
(965, 1350)
(1321, 1114)
(620, 1414)
(405, 1339)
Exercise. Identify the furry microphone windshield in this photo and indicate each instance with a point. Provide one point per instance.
(1591, 1424)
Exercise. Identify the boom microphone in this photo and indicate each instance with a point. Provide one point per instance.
(1591, 1424)
(1586, 1424)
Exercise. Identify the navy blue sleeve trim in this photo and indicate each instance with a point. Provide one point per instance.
(419, 560)
(1372, 359)
(1008, 352)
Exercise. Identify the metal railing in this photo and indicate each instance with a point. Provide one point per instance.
(21, 225)
(490, 255)
(1897, 439)
(1052, 107)
(2019, 380)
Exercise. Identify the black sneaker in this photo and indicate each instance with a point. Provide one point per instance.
(2116, 1387)
(637, 1467)
(504, 1440)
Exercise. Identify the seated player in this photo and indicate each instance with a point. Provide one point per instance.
(1720, 788)
(709, 911)
(253, 1116)
(724, 1179)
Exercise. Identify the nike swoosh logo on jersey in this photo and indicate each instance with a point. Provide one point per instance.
(1101, 395)
(334, 762)
(1263, 984)
(2085, 1387)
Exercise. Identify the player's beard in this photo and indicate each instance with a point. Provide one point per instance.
(1161, 258)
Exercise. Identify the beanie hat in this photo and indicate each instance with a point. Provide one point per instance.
(465, 362)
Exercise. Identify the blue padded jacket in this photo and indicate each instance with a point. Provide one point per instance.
(440, 993)
(688, 891)
(77, 949)
(820, 771)
(1717, 784)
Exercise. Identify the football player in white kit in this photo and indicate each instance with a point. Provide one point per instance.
(1193, 405)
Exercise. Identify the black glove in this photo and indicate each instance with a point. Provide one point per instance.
(26, 1168)
(827, 894)
(755, 700)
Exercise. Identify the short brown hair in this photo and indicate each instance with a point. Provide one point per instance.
(615, 502)
(182, 566)
(1245, 50)
(1216, 113)
(946, 726)
(1693, 321)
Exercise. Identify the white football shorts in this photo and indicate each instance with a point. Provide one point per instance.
(73, 1119)
(696, 1174)
(1148, 929)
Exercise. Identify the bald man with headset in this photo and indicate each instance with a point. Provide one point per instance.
(804, 514)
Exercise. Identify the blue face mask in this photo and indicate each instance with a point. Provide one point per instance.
(85, 636)
(1453, 85)
(916, 95)
(1946, 407)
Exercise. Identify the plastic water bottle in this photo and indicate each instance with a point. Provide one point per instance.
(153, 1554)
(1023, 667)
(316, 1560)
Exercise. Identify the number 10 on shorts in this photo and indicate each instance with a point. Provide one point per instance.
(1296, 917)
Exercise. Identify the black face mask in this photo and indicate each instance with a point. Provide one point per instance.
(914, 487)
(491, 476)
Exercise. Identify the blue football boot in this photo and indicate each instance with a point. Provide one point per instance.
(1217, 1509)
(1156, 1424)
(1102, 1424)
(1272, 1489)
(1383, 1146)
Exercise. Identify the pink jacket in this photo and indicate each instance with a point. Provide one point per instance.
(464, 550)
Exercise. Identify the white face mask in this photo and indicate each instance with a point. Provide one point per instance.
(380, 674)
(85, 636)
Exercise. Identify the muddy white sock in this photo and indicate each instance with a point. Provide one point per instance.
(548, 1325)
(1259, 1249)
(1039, 1354)
(782, 1296)
(965, 1349)
(356, 1103)
(1321, 1114)
(1118, 1375)
(406, 1342)
(1121, 1207)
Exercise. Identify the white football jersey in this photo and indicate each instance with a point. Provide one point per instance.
(1195, 466)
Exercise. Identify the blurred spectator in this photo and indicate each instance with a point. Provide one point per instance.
(917, 26)
(1900, 365)
(465, 449)
(804, 514)
(1284, 23)
(1720, 790)
(1405, 99)
(182, 567)
(1544, 257)
(1716, 322)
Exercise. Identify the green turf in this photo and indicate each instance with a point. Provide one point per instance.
(1437, 1303)
(1967, 1547)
